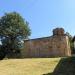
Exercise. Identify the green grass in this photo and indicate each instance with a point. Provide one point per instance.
(38, 66)
(34, 66)
(66, 66)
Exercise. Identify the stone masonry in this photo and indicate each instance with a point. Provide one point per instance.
(52, 46)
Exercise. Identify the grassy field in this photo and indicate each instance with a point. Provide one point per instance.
(34, 66)
(38, 66)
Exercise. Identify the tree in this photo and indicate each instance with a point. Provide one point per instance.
(13, 30)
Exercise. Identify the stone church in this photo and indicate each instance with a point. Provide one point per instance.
(52, 46)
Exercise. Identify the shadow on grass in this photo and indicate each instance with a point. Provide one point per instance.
(66, 66)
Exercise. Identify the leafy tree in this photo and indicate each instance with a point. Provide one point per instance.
(13, 30)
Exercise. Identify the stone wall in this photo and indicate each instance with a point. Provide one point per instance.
(53, 46)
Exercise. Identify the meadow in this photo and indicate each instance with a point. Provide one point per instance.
(38, 66)
(33, 66)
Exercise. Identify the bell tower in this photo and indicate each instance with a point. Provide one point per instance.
(58, 31)
(61, 42)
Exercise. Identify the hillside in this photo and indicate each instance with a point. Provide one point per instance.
(66, 66)
(38, 66)
(34, 66)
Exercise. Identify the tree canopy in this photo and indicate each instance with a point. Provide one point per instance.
(13, 29)
(12, 24)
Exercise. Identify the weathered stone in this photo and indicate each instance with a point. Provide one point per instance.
(56, 45)
(58, 31)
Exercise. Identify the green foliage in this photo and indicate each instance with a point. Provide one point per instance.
(13, 29)
(12, 24)
(2, 53)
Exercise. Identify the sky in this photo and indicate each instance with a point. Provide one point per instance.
(43, 15)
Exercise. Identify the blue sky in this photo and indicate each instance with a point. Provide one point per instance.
(43, 15)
